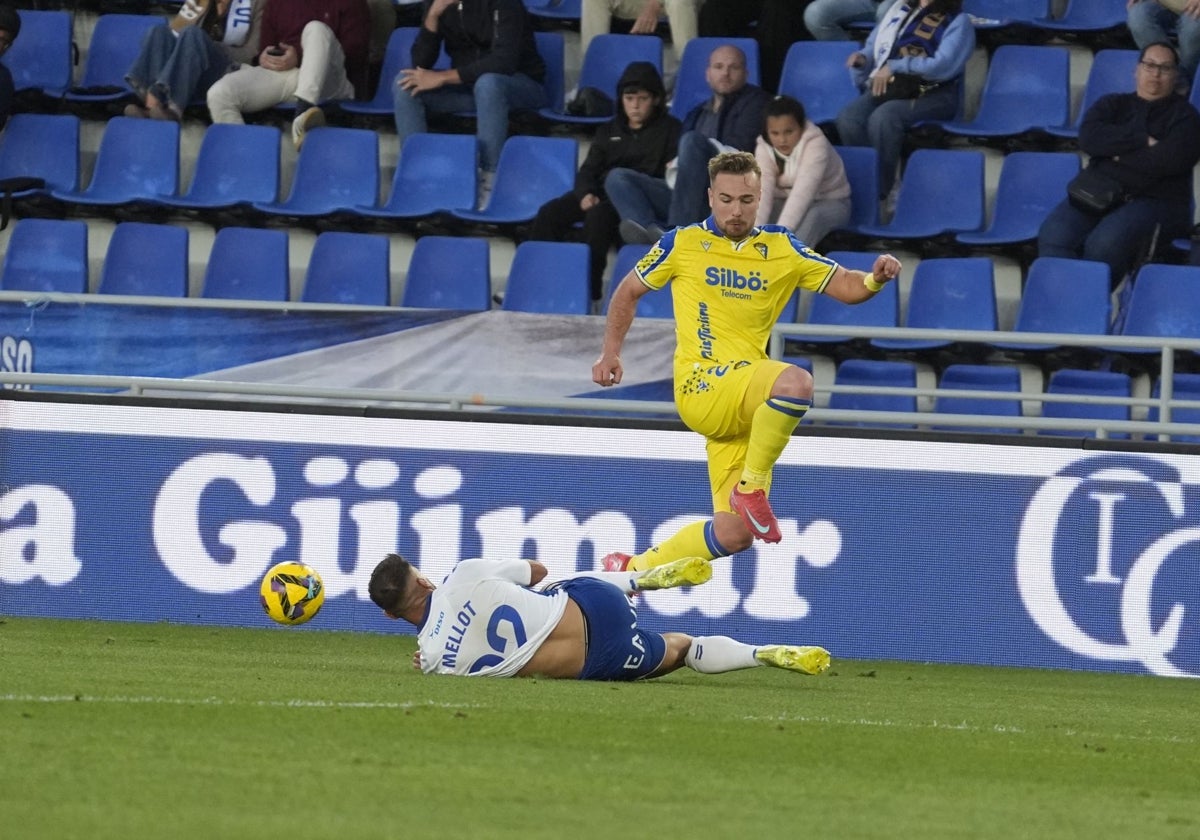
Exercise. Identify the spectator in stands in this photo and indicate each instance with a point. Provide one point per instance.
(596, 19)
(1147, 142)
(313, 50)
(205, 40)
(827, 19)
(775, 24)
(910, 69)
(1153, 21)
(495, 68)
(730, 120)
(804, 185)
(10, 27)
(643, 137)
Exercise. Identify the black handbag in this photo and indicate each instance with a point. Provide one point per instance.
(905, 86)
(1094, 192)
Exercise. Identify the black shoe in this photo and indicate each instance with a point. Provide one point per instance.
(635, 234)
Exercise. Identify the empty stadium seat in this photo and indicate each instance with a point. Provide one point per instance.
(115, 43)
(815, 73)
(146, 259)
(46, 255)
(1165, 303)
(549, 277)
(236, 165)
(1111, 71)
(994, 14)
(1087, 20)
(40, 59)
(531, 171)
(337, 170)
(1062, 296)
(396, 57)
(941, 193)
(1027, 88)
(691, 83)
(1087, 383)
(965, 377)
(561, 10)
(1031, 184)
(883, 310)
(606, 59)
(953, 293)
(1184, 386)
(862, 171)
(435, 173)
(449, 272)
(351, 268)
(654, 304)
(248, 264)
(138, 161)
(42, 146)
(875, 374)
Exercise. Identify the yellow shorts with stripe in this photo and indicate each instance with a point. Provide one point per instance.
(719, 402)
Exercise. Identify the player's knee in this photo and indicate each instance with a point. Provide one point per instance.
(732, 533)
(794, 382)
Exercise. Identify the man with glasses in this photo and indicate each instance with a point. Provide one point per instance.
(1144, 144)
(1153, 21)
(10, 25)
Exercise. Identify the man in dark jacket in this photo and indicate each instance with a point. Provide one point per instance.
(729, 121)
(1148, 141)
(641, 137)
(10, 26)
(495, 68)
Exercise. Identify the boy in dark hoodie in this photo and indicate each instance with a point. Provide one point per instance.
(642, 136)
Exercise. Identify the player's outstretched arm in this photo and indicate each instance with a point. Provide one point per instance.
(850, 286)
(607, 370)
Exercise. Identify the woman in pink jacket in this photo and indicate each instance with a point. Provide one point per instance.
(804, 186)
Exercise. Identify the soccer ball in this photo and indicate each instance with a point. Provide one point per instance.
(291, 593)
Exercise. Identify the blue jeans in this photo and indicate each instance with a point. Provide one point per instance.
(1118, 238)
(177, 70)
(493, 96)
(1150, 22)
(827, 19)
(637, 196)
(866, 122)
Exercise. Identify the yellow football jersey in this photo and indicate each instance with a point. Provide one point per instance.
(727, 295)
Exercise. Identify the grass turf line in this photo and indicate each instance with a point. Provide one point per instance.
(157, 730)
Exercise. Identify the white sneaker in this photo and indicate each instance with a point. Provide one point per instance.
(314, 117)
(484, 188)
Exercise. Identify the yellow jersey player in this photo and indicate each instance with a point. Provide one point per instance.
(731, 280)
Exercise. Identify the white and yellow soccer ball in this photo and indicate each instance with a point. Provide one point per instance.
(291, 593)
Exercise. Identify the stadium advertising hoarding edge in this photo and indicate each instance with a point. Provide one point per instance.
(926, 551)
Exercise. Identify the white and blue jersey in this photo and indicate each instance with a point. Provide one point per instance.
(484, 621)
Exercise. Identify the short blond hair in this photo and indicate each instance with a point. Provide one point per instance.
(733, 163)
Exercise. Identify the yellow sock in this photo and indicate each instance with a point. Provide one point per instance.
(695, 540)
(772, 426)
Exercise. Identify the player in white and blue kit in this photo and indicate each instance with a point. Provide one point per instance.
(488, 620)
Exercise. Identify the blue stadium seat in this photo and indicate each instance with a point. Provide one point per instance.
(1111, 71)
(1184, 386)
(875, 374)
(691, 84)
(138, 161)
(658, 304)
(941, 193)
(1087, 383)
(46, 255)
(1031, 184)
(1005, 13)
(1062, 296)
(862, 171)
(883, 310)
(115, 43)
(337, 170)
(963, 377)
(40, 59)
(435, 173)
(248, 264)
(218, 184)
(1165, 304)
(1085, 19)
(549, 277)
(42, 146)
(606, 59)
(952, 293)
(1027, 89)
(449, 272)
(560, 10)
(352, 268)
(396, 57)
(551, 46)
(532, 170)
(146, 259)
(815, 73)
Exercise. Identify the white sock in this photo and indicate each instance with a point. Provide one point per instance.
(718, 654)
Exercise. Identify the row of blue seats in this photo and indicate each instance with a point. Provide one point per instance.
(50, 255)
(1061, 386)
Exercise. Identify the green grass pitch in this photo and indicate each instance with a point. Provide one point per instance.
(156, 730)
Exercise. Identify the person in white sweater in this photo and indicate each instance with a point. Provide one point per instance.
(804, 185)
